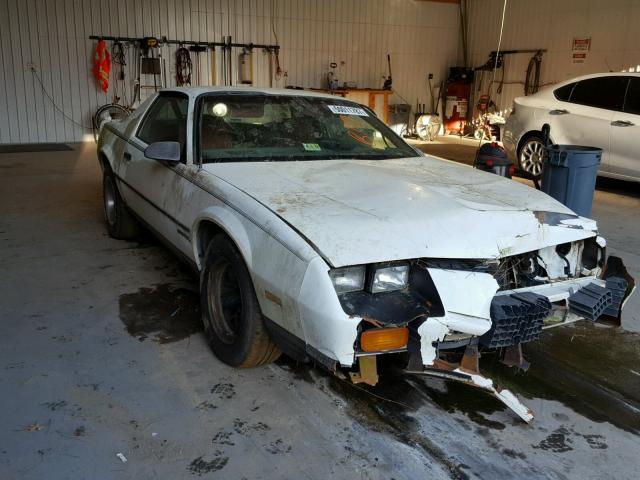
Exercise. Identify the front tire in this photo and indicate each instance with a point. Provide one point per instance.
(120, 222)
(531, 155)
(232, 318)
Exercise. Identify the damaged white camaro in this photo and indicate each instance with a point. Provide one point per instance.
(319, 232)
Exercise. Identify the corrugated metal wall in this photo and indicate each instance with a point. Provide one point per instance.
(52, 35)
(552, 24)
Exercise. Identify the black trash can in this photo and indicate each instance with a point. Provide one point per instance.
(491, 157)
(570, 173)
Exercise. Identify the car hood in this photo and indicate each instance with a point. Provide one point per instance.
(363, 211)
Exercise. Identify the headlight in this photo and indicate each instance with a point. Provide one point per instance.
(348, 279)
(390, 278)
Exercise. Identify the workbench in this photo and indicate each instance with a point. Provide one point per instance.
(376, 99)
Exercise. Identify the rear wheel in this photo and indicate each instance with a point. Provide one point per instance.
(532, 154)
(120, 222)
(231, 314)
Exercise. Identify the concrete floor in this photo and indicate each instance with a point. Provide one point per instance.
(101, 354)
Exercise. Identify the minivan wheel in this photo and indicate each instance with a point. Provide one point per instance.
(531, 156)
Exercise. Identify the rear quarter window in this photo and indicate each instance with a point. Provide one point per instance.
(564, 93)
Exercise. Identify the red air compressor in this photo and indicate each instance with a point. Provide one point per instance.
(456, 99)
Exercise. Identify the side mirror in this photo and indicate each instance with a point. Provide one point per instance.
(164, 152)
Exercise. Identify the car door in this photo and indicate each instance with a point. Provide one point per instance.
(585, 119)
(150, 193)
(625, 134)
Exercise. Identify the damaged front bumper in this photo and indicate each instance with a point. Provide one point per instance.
(453, 315)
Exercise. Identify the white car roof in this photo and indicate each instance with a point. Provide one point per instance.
(597, 75)
(197, 91)
(547, 91)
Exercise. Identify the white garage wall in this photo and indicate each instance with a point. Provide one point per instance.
(613, 26)
(421, 37)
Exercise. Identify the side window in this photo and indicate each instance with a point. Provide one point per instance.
(601, 92)
(563, 93)
(166, 120)
(632, 102)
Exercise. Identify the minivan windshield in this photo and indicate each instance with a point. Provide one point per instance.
(261, 127)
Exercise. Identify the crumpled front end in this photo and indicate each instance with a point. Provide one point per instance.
(452, 310)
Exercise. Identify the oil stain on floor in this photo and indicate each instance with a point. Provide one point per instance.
(163, 313)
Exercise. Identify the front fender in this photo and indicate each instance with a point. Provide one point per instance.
(229, 223)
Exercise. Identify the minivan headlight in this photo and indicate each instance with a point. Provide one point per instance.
(348, 279)
(390, 278)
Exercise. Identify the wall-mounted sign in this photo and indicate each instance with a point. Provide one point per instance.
(581, 44)
(579, 57)
(579, 49)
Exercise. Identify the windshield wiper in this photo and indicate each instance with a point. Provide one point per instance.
(295, 158)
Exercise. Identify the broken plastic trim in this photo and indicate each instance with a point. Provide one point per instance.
(615, 268)
(618, 287)
(590, 301)
(483, 383)
(516, 318)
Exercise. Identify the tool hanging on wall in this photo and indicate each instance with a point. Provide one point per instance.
(136, 72)
(102, 66)
(197, 50)
(224, 64)
(214, 75)
(245, 67)
(150, 64)
(269, 54)
(119, 59)
(498, 59)
(332, 80)
(229, 60)
(388, 82)
(532, 77)
(150, 61)
(183, 67)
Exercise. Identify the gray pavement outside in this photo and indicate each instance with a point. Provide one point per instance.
(101, 353)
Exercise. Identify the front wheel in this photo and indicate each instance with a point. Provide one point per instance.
(120, 222)
(531, 156)
(230, 311)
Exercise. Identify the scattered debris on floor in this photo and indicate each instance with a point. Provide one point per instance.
(34, 427)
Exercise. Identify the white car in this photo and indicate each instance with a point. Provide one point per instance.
(601, 110)
(317, 231)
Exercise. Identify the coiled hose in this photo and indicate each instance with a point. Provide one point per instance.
(532, 79)
(183, 67)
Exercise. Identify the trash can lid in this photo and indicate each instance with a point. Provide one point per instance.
(577, 156)
(573, 148)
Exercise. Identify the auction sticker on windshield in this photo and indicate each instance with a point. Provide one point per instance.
(312, 147)
(343, 110)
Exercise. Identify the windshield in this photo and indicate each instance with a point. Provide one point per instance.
(258, 127)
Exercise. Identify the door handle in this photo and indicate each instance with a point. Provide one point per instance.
(126, 156)
(559, 111)
(622, 123)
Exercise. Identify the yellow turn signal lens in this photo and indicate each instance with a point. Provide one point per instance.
(379, 339)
